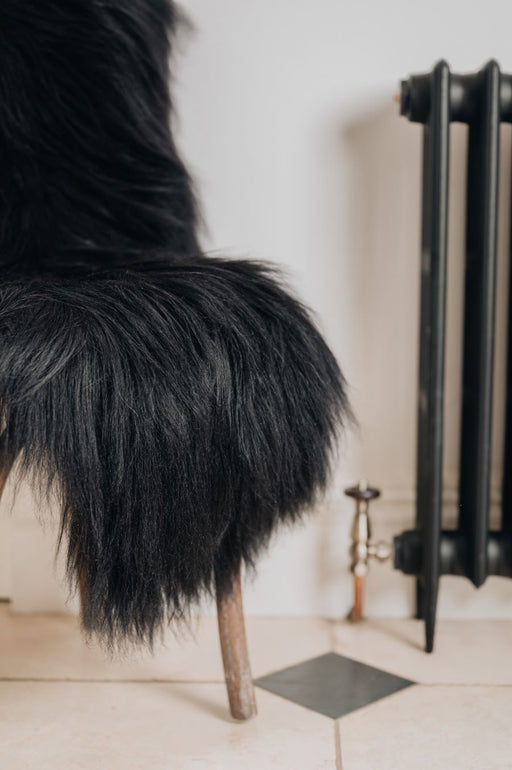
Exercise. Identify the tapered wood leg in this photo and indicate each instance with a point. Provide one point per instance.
(237, 669)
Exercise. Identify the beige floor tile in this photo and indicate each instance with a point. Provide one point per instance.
(466, 651)
(431, 728)
(51, 647)
(156, 726)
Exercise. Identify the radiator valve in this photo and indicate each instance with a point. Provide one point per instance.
(362, 548)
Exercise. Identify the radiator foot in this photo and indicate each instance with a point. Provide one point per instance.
(430, 626)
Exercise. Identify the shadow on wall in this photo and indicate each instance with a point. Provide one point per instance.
(384, 157)
(383, 154)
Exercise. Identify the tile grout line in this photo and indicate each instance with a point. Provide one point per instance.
(158, 680)
(78, 680)
(463, 684)
(337, 744)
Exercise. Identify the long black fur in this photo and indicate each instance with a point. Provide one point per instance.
(179, 406)
(89, 170)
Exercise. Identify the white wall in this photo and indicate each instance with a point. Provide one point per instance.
(287, 120)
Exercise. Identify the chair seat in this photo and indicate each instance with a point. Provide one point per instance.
(181, 411)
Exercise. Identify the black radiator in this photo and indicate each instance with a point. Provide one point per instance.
(482, 100)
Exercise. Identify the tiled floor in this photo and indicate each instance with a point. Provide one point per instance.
(64, 706)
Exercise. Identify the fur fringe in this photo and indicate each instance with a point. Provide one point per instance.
(180, 407)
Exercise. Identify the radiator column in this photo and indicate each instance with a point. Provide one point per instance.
(426, 100)
(482, 100)
(506, 116)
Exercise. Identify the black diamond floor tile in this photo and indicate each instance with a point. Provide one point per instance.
(332, 684)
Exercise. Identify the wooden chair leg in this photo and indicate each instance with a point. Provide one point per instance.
(237, 668)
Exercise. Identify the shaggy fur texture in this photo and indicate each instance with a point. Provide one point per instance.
(89, 170)
(179, 406)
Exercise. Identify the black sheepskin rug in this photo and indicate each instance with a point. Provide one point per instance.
(178, 406)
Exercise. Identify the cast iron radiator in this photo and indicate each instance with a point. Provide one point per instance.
(482, 100)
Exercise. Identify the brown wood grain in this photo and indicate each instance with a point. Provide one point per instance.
(235, 656)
